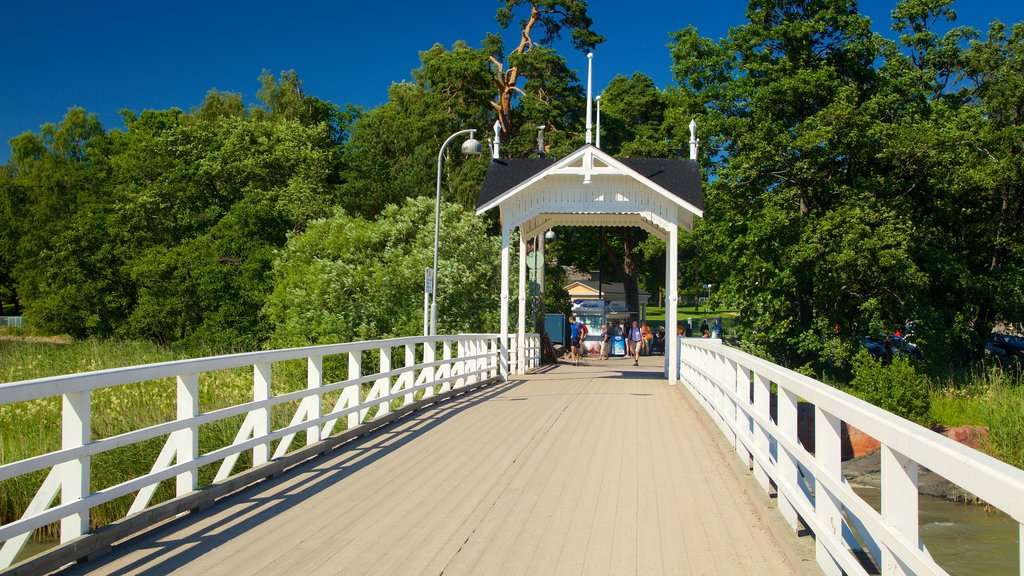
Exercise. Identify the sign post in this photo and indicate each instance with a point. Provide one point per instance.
(428, 289)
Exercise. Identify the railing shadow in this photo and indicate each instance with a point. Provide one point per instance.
(323, 472)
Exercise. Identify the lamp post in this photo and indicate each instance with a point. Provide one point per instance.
(470, 146)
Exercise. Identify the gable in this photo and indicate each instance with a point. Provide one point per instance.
(676, 178)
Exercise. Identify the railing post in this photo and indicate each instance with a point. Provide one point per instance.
(187, 445)
(446, 355)
(385, 366)
(899, 503)
(787, 468)
(495, 358)
(828, 454)
(76, 424)
(314, 380)
(410, 360)
(355, 370)
(429, 355)
(261, 421)
(742, 418)
(762, 398)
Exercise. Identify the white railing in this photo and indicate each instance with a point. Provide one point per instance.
(11, 321)
(735, 389)
(433, 365)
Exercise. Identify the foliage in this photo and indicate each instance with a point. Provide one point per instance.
(854, 182)
(347, 278)
(897, 388)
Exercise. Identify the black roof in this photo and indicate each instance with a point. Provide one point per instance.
(680, 176)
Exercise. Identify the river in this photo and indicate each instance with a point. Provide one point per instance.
(965, 539)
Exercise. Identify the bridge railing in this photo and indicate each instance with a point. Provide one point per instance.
(737, 389)
(320, 410)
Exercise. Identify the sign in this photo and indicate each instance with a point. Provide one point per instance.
(588, 305)
(428, 280)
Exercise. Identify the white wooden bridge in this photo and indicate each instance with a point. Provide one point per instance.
(445, 465)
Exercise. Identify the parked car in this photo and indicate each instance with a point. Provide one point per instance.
(1005, 344)
(900, 345)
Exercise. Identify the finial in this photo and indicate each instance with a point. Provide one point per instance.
(694, 142)
(497, 139)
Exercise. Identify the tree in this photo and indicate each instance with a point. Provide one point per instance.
(530, 58)
(794, 230)
(327, 290)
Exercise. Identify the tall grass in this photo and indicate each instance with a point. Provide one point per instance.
(985, 395)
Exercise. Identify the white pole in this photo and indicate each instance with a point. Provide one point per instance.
(590, 68)
(598, 100)
(506, 232)
(522, 303)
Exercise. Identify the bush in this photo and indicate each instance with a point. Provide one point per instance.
(897, 388)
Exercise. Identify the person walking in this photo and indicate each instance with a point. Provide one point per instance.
(635, 336)
(575, 332)
(606, 340)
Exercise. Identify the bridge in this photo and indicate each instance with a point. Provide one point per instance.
(454, 455)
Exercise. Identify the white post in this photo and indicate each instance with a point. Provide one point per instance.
(503, 340)
(521, 337)
(426, 308)
(355, 370)
(672, 311)
(187, 442)
(540, 274)
(314, 380)
(261, 420)
(385, 366)
(410, 360)
(828, 453)
(429, 355)
(76, 426)
(899, 503)
(788, 472)
(762, 398)
(598, 140)
(590, 69)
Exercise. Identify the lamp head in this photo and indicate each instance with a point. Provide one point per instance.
(472, 146)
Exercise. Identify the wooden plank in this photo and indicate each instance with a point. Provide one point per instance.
(589, 469)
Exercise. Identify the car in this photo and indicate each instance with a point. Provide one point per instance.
(900, 345)
(1007, 344)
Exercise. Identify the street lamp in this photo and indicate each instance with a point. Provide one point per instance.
(470, 146)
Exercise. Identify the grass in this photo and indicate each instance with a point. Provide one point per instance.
(989, 396)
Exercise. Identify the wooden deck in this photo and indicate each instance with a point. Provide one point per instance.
(596, 469)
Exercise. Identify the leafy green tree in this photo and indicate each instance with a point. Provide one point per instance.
(327, 289)
(392, 150)
(794, 229)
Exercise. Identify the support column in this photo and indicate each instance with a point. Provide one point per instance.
(187, 439)
(506, 232)
(76, 427)
(671, 304)
(899, 503)
(521, 339)
(540, 281)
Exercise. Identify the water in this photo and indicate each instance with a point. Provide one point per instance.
(965, 539)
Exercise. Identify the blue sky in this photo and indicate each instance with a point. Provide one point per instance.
(105, 56)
